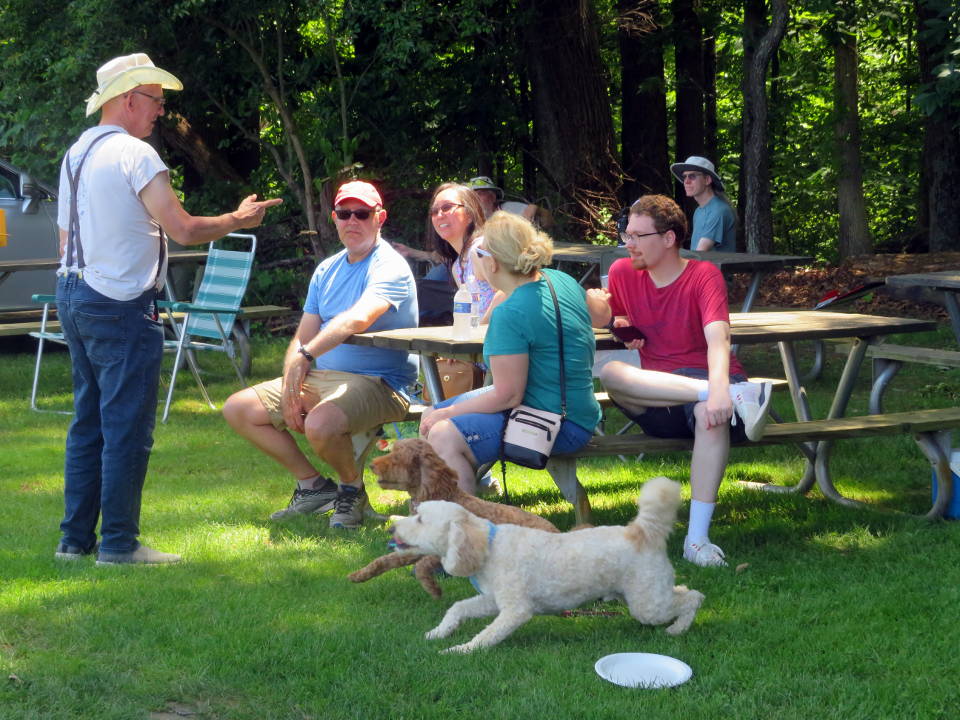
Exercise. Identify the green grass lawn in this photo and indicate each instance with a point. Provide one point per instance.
(832, 612)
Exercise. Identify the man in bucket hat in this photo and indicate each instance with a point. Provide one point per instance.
(714, 221)
(116, 209)
(491, 199)
(331, 390)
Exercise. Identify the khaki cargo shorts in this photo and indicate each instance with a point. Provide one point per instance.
(367, 401)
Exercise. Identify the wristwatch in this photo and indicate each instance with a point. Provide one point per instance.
(303, 351)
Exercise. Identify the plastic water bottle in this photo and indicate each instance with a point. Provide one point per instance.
(461, 313)
(473, 285)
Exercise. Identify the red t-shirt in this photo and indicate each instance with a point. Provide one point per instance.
(673, 317)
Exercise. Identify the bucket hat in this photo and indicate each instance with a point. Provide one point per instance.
(123, 74)
(482, 182)
(695, 163)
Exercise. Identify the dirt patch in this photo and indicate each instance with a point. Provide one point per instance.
(804, 287)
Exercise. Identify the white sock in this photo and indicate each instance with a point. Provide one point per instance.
(698, 529)
(310, 483)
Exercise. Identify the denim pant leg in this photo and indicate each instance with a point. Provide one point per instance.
(116, 348)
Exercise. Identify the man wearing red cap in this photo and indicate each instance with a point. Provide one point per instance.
(331, 390)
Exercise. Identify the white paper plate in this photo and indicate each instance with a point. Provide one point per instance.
(644, 670)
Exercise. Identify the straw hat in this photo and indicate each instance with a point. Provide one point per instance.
(695, 163)
(123, 74)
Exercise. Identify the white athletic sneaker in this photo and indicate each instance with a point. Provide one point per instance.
(704, 554)
(751, 402)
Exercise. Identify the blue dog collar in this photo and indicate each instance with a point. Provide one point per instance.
(491, 534)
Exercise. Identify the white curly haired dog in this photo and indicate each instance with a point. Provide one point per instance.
(521, 572)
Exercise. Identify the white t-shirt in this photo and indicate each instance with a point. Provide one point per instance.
(120, 240)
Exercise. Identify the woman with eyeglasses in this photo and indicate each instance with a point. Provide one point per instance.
(454, 222)
(522, 350)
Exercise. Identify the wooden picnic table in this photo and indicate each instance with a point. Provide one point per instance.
(758, 266)
(783, 328)
(945, 281)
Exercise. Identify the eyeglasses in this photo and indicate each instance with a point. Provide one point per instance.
(691, 176)
(633, 237)
(345, 214)
(483, 253)
(444, 209)
(160, 101)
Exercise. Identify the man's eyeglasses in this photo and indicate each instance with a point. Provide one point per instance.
(160, 101)
(633, 237)
(444, 209)
(691, 176)
(345, 214)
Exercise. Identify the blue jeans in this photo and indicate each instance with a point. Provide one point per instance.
(115, 349)
(483, 432)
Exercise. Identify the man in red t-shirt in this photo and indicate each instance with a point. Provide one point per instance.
(690, 384)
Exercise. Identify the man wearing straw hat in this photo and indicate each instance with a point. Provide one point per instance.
(714, 221)
(116, 207)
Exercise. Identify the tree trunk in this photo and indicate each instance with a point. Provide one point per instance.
(941, 146)
(710, 146)
(757, 216)
(852, 206)
(571, 109)
(643, 134)
(688, 55)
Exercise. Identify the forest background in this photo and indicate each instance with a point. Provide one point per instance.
(835, 124)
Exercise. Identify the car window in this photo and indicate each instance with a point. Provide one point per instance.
(6, 188)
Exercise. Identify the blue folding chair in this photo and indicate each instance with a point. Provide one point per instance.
(208, 320)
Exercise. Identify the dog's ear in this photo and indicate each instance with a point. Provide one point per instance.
(466, 546)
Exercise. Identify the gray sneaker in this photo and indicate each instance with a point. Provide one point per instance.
(304, 502)
(71, 552)
(143, 555)
(348, 507)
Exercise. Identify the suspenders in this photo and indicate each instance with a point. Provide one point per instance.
(73, 233)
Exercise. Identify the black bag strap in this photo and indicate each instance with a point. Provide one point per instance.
(563, 386)
(73, 232)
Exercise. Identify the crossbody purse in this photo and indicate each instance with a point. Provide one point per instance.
(529, 433)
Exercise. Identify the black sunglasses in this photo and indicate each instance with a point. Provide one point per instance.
(345, 214)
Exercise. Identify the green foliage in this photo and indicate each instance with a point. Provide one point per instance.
(415, 93)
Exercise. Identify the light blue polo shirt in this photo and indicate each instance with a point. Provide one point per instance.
(337, 285)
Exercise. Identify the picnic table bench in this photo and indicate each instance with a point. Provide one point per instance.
(929, 428)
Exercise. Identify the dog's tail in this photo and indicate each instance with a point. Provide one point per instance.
(658, 503)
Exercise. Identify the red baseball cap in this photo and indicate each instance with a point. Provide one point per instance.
(359, 190)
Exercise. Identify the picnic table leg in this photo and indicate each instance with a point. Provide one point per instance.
(564, 474)
(950, 299)
(752, 289)
(801, 408)
(936, 447)
(431, 376)
(837, 410)
(883, 372)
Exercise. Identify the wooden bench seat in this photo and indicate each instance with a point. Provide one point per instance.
(930, 429)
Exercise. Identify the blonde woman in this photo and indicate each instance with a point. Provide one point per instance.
(522, 351)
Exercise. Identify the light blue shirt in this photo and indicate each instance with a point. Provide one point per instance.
(337, 285)
(715, 221)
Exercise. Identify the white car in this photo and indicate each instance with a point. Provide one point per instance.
(30, 216)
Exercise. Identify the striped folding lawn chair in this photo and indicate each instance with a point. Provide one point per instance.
(208, 321)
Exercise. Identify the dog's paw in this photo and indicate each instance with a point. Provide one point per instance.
(437, 633)
(457, 650)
